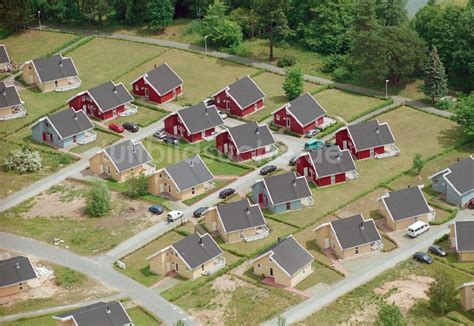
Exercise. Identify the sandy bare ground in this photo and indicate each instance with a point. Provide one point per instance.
(405, 292)
(364, 316)
(224, 286)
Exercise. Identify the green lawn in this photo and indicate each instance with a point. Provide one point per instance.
(83, 235)
(272, 86)
(249, 249)
(345, 105)
(137, 314)
(354, 302)
(143, 118)
(452, 259)
(104, 139)
(137, 265)
(104, 59)
(13, 181)
(32, 44)
(165, 155)
(321, 274)
(414, 131)
(203, 76)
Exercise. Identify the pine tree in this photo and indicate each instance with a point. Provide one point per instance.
(436, 84)
(161, 14)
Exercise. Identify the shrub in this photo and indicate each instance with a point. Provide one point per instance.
(442, 294)
(66, 277)
(24, 160)
(194, 27)
(418, 164)
(137, 186)
(341, 74)
(98, 200)
(287, 61)
(444, 105)
(294, 83)
(332, 62)
(390, 315)
(241, 50)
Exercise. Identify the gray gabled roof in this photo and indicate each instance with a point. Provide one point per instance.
(54, 68)
(127, 154)
(15, 270)
(110, 95)
(290, 255)
(306, 109)
(189, 173)
(286, 187)
(163, 79)
(100, 313)
(406, 203)
(462, 175)
(69, 122)
(245, 92)
(464, 235)
(250, 136)
(370, 134)
(8, 96)
(240, 215)
(355, 231)
(331, 160)
(4, 58)
(197, 250)
(199, 117)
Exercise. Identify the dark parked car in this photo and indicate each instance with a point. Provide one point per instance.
(199, 212)
(156, 209)
(227, 192)
(268, 169)
(423, 257)
(160, 134)
(131, 126)
(170, 140)
(293, 160)
(438, 251)
(470, 204)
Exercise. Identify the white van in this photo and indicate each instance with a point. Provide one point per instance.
(417, 228)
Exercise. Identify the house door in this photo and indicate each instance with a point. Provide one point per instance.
(31, 78)
(55, 83)
(162, 187)
(175, 130)
(371, 152)
(84, 108)
(176, 267)
(344, 144)
(288, 122)
(260, 198)
(326, 243)
(254, 153)
(213, 226)
(174, 93)
(288, 206)
(227, 105)
(44, 136)
(114, 112)
(74, 138)
(169, 189)
(146, 92)
(333, 179)
(168, 267)
(271, 271)
(305, 171)
(226, 147)
(51, 137)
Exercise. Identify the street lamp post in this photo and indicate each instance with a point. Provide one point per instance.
(39, 19)
(205, 43)
(386, 88)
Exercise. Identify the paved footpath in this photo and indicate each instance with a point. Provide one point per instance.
(371, 270)
(103, 273)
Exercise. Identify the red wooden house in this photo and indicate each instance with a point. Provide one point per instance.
(245, 142)
(194, 123)
(300, 115)
(160, 85)
(327, 166)
(240, 98)
(367, 139)
(105, 101)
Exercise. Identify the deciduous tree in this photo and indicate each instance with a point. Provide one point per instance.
(294, 83)
(464, 114)
(98, 200)
(442, 294)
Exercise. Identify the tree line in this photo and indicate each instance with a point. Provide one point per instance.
(360, 40)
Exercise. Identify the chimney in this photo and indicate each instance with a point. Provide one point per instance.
(338, 157)
(4, 92)
(257, 131)
(361, 226)
(107, 310)
(247, 210)
(206, 111)
(115, 89)
(200, 241)
(17, 265)
(133, 148)
(293, 182)
(191, 163)
(60, 63)
(377, 130)
(75, 115)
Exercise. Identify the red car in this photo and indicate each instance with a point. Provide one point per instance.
(116, 127)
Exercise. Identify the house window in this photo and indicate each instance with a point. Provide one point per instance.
(21, 288)
(269, 259)
(193, 191)
(436, 181)
(161, 176)
(29, 67)
(176, 254)
(83, 97)
(304, 271)
(258, 267)
(218, 100)
(136, 87)
(357, 250)
(277, 117)
(288, 206)
(202, 267)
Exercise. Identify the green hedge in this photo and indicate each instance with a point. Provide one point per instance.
(329, 130)
(64, 45)
(292, 133)
(372, 109)
(446, 219)
(149, 106)
(80, 43)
